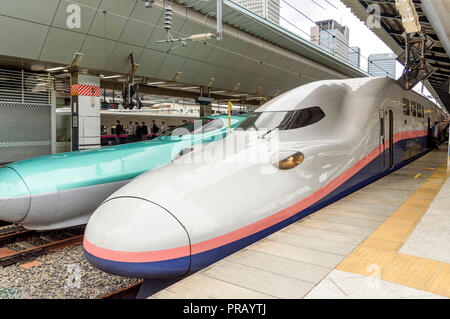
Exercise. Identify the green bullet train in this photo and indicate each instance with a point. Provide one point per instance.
(62, 190)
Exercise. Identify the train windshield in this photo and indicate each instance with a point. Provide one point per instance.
(286, 120)
(196, 126)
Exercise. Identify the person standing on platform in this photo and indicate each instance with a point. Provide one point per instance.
(130, 132)
(119, 131)
(137, 132)
(144, 131)
(163, 128)
(435, 136)
(445, 133)
(155, 129)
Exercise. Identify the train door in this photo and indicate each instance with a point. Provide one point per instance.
(391, 139)
(387, 133)
(382, 144)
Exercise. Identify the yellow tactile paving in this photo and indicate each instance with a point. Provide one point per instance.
(420, 202)
(399, 222)
(356, 266)
(389, 232)
(380, 257)
(423, 195)
(430, 188)
(407, 213)
(411, 271)
(440, 282)
(382, 246)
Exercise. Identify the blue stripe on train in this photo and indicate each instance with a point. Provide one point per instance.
(178, 267)
(148, 270)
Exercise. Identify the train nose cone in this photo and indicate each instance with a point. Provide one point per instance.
(14, 196)
(132, 237)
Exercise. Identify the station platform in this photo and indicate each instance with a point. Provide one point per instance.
(391, 239)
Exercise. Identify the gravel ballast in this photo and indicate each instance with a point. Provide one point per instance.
(64, 274)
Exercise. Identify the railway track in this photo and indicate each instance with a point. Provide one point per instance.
(12, 233)
(129, 292)
(2, 223)
(24, 245)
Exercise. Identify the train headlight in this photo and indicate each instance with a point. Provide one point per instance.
(286, 159)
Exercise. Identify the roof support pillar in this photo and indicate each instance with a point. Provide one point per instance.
(85, 103)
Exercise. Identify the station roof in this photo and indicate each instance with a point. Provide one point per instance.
(435, 23)
(255, 60)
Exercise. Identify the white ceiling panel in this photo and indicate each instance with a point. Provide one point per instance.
(22, 9)
(189, 71)
(149, 62)
(170, 66)
(96, 52)
(120, 61)
(21, 38)
(67, 42)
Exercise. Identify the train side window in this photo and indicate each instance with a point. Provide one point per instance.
(405, 106)
(413, 108)
(419, 110)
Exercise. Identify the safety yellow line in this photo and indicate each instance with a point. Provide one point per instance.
(378, 254)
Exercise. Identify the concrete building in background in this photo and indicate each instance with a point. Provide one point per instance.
(354, 56)
(268, 9)
(332, 37)
(382, 65)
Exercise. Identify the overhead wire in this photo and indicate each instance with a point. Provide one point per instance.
(317, 4)
(331, 4)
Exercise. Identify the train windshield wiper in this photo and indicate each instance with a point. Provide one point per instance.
(262, 136)
(284, 124)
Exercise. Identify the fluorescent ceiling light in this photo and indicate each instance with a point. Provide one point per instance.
(176, 76)
(37, 67)
(76, 59)
(211, 81)
(155, 83)
(112, 76)
(189, 88)
(56, 69)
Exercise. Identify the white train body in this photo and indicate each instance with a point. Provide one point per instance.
(191, 213)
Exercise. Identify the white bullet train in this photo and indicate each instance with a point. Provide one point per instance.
(314, 145)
